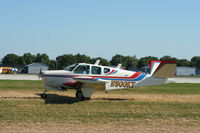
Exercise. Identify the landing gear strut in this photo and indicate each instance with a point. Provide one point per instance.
(79, 95)
(44, 94)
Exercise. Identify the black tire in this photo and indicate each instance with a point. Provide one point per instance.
(44, 96)
(79, 95)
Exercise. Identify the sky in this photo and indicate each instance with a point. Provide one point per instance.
(101, 28)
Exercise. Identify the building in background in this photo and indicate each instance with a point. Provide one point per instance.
(185, 71)
(180, 71)
(35, 68)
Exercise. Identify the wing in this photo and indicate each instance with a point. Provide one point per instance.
(91, 82)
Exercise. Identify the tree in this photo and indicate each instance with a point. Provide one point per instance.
(10, 59)
(103, 61)
(28, 58)
(183, 62)
(43, 58)
(53, 65)
(38, 58)
(21, 61)
(126, 61)
(145, 61)
(195, 61)
(168, 58)
(117, 59)
(65, 60)
(82, 58)
(130, 62)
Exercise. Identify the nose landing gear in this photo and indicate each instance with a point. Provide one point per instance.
(44, 95)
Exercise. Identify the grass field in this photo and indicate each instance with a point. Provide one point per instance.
(166, 108)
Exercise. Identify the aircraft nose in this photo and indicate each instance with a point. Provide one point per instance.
(41, 73)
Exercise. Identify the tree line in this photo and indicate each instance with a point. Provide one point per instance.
(67, 59)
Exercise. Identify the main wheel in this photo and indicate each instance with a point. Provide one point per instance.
(79, 95)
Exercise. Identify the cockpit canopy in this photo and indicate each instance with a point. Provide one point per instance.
(71, 67)
(82, 68)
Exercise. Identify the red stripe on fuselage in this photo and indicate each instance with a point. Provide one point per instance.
(111, 72)
(135, 75)
(72, 84)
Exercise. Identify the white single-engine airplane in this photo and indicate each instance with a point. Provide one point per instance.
(86, 78)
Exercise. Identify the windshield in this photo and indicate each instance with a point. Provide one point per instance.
(82, 69)
(71, 67)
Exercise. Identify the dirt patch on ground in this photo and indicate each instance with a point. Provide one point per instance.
(16, 93)
(150, 97)
(31, 127)
(84, 128)
(107, 96)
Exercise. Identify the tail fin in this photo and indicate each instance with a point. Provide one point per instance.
(162, 69)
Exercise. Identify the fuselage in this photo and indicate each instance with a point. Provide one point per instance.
(116, 78)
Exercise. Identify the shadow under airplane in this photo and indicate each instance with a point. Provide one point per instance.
(60, 99)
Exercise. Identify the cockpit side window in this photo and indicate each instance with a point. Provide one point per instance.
(82, 69)
(96, 70)
(106, 70)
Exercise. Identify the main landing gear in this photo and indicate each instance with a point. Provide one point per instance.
(79, 95)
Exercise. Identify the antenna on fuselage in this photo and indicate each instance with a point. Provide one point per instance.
(119, 66)
(97, 62)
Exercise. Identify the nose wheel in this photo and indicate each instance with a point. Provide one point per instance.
(44, 96)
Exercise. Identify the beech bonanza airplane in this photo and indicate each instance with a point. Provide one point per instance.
(86, 78)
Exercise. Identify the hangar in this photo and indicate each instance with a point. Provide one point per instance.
(185, 71)
(180, 71)
(35, 68)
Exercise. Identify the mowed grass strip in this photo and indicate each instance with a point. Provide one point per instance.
(180, 88)
(25, 85)
(175, 88)
(100, 111)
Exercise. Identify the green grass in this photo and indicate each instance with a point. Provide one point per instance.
(181, 88)
(60, 109)
(20, 85)
(97, 111)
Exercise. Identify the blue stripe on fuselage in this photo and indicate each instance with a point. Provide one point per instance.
(142, 76)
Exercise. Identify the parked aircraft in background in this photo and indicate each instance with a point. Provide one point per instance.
(8, 70)
(86, 78)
